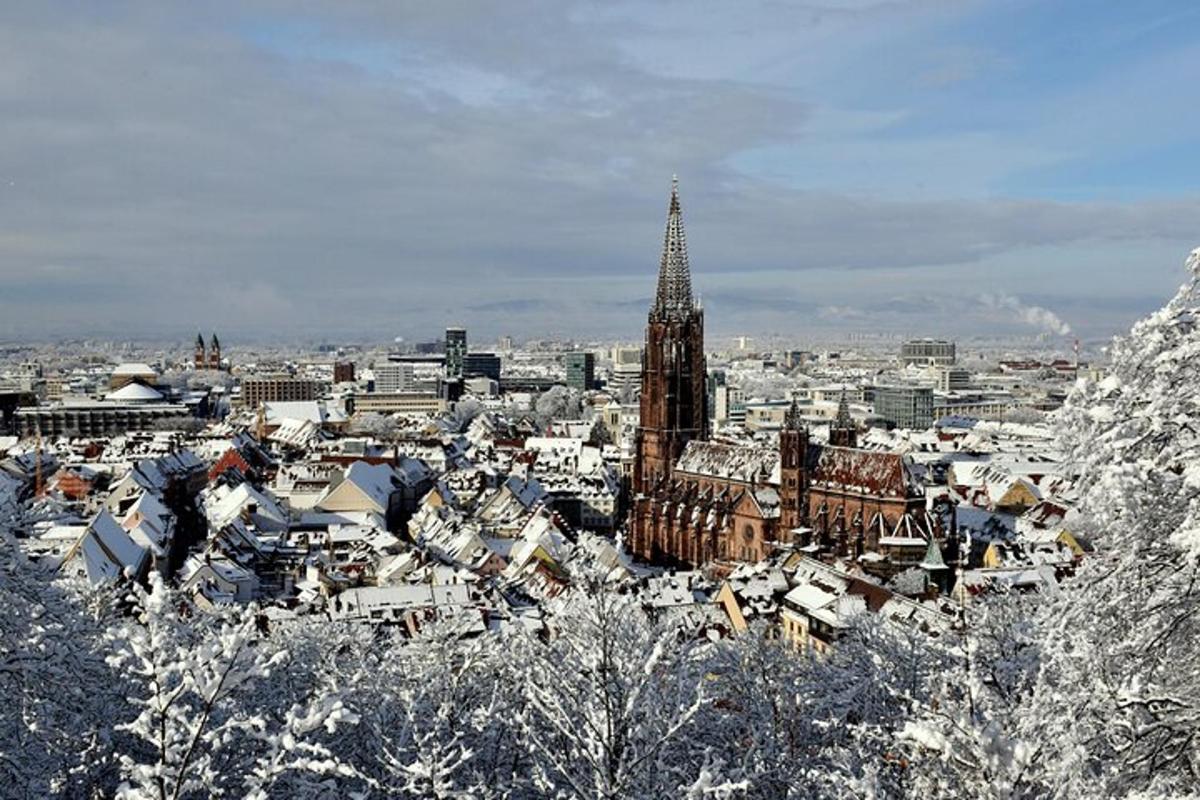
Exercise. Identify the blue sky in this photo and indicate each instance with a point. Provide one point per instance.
(371, 170)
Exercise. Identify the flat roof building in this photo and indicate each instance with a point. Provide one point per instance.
(905, 406)
(581, 370)
(278, 389)
(922, 352)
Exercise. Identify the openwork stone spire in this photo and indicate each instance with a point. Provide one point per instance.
(674, 297)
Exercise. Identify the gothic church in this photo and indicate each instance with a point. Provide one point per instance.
(701, 502)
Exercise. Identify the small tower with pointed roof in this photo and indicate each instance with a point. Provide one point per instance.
(843, 432)
(214, 353)
(793, 471)
(200, 358)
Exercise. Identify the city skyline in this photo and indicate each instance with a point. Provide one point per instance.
(919, 168)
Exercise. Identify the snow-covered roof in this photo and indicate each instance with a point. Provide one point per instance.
(133, 368)
(135, 393)
(228, 507)
(108, 551)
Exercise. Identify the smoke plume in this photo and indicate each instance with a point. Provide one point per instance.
(1041, 318)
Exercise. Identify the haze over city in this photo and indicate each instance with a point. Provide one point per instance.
(332, 169)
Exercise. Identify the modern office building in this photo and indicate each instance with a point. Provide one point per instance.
(924, 352)
(456, 351)
(277, 389)
(343, 372)
(479, 365)
(905, 406)
(626, 369)
(393, 377)
(581, 370)
(729, 405)
(953, 379)
(400, 403)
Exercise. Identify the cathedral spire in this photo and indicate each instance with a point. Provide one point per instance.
(674, 297)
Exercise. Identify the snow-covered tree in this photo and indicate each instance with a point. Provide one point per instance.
(608, 699)
(57, 691)
(972, 737)
(195, 732)
(556, 403)
(1119, 693)
(434, 717)
(466, 410)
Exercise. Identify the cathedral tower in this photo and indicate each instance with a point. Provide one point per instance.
(674, 402)
(793, 472)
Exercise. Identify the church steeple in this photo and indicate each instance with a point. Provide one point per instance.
(843, 412)
(674, 296)
(200, 355)
(792, 419)
(843, 432)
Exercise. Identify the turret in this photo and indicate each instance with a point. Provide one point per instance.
(843, 432)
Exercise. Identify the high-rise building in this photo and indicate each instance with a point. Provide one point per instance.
(581, 370)
(343, 372)
(925, 352)
(674, 400)
(626, 369)
(905, 406)
(729, 405)
(456, 350)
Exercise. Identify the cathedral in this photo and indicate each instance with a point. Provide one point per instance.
(697, 501)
